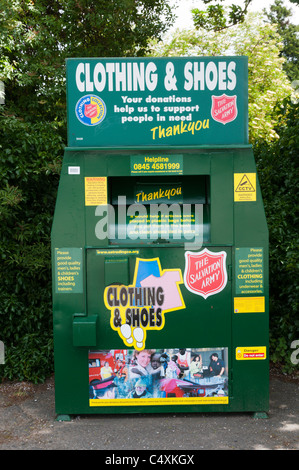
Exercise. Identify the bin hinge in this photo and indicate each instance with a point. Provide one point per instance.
(231, 381)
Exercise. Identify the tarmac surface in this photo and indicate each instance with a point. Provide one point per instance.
(28, 422)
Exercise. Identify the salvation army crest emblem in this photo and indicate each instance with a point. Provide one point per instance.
(224, 108)
(90, 110)
(205, 272)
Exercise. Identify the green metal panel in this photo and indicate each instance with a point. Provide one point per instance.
(251, 378)
(116, 270)
(119, 102)
(84, 330)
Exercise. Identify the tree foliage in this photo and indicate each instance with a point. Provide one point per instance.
(36, 36)
(277, 164)
(280, 15)
(215, 17)
(260, 42)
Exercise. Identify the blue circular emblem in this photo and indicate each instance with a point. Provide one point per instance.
(90, 110)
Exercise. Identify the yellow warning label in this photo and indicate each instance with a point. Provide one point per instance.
(244, 187)
(95, 190)
(249, 304)
(253, 353)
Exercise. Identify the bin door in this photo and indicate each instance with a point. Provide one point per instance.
(164, 317)
(175, 298)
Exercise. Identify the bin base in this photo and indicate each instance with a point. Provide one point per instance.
(260, 415)
(63, 418)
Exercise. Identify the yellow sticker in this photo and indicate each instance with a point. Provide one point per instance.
(251, 353)
(117, 252)
(249, 304)
(244, 187)
(95, 190)
(159, 401)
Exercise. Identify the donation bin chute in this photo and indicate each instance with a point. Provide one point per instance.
(159, 241)
(151, 210)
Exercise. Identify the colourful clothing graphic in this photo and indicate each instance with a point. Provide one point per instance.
(169, 282)
(146, 268)
(141, 306)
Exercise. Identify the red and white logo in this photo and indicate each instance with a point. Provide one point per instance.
(90, 110)
(224, 108)
(205, 272)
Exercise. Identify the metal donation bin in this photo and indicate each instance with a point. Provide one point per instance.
(159, 241)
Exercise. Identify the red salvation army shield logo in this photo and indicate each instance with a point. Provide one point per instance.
(90, 110)
(224, 108)
(205, 272)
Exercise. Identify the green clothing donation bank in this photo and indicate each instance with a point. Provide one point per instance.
(159, 241)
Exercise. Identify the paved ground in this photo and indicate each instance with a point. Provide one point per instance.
(27, 421)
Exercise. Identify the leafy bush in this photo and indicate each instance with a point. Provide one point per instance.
(277, 164)
(29, 166)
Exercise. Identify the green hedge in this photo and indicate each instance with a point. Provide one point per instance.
(29, 166)
(277, 165)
